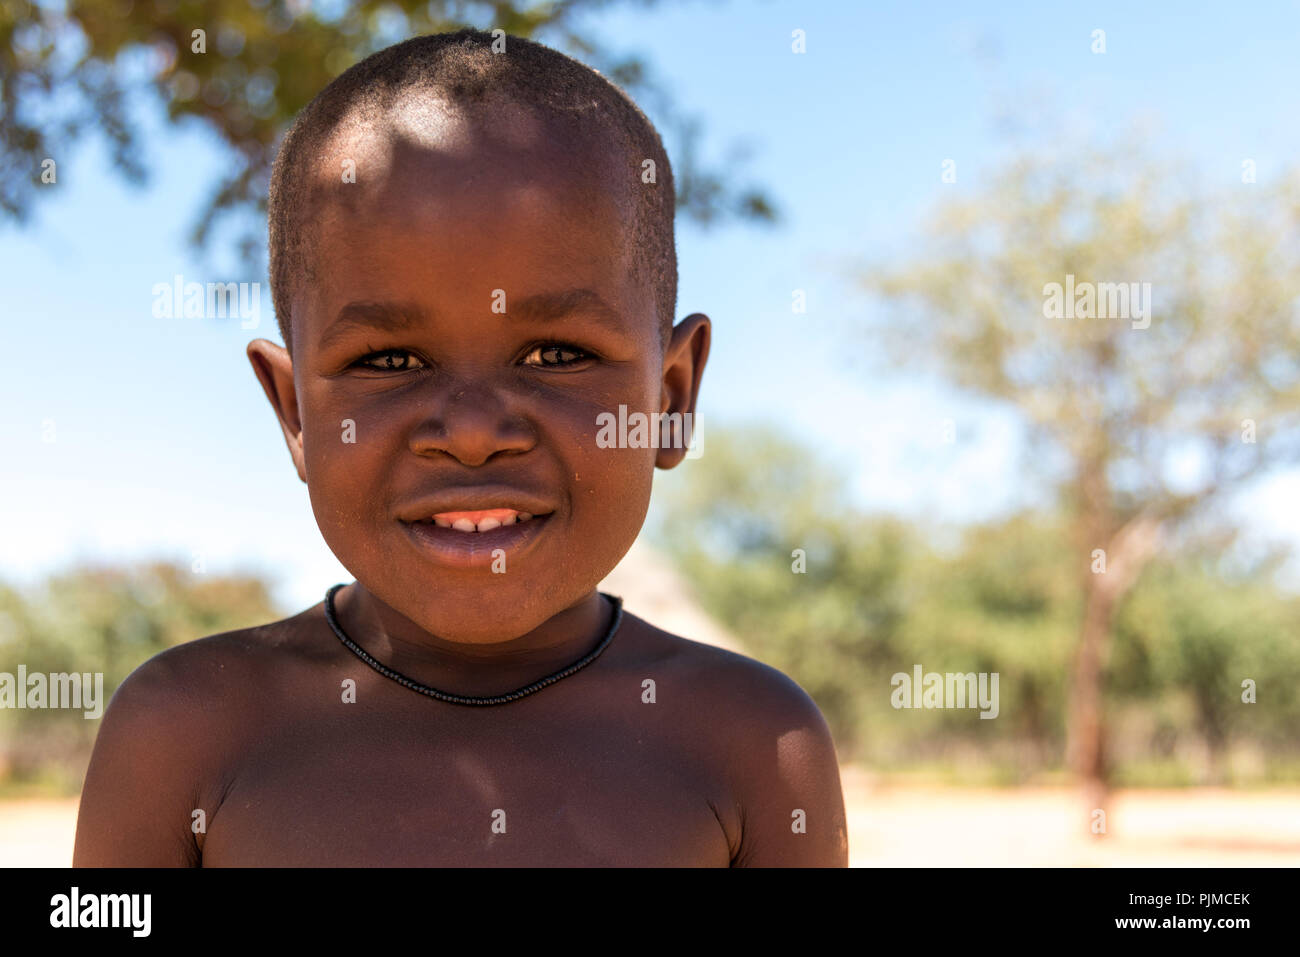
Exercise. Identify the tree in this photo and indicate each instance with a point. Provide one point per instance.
(1004, 300)
(245, 68)
(842, 601)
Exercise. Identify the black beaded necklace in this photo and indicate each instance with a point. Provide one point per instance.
(406, 682)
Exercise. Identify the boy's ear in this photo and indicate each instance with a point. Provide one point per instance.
(274, 369)
(684, 359)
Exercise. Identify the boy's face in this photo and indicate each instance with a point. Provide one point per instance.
(411, 402)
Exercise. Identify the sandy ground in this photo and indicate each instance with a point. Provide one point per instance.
(1050, 827)
(893, 826)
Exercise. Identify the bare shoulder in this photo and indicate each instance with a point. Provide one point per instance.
(190, 680)
(775, 747)
(162, 751)
(734, 685)
(208, 695)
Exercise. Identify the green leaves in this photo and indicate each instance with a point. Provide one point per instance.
(245, 68)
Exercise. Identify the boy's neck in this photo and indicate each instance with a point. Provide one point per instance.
(471, 668)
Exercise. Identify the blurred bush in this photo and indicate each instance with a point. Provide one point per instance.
(107, 620)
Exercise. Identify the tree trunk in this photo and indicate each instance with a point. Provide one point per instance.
(1086, 747)
(1127, 552)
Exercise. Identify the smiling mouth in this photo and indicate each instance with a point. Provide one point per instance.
(483, 520)
(478, 537)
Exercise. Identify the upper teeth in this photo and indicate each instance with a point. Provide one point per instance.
(484, 524)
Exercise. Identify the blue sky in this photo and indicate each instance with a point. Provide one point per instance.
(163, 443)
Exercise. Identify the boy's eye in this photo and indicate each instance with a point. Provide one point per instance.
(555, 355)
(391, 360)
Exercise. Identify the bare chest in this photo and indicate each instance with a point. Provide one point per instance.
(455, 787)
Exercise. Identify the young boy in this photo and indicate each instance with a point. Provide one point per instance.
(472, 261)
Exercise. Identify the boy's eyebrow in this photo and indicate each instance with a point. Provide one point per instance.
(384, 316)
(401, 316)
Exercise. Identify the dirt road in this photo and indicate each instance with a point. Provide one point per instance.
(894, 826)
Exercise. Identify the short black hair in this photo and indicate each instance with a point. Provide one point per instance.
(461, 68)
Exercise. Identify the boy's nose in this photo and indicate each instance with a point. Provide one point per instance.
(470, 423)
